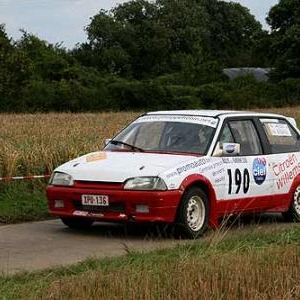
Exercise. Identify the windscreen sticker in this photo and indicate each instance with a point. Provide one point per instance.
(278, 129)
(96, 156)
(207, 121)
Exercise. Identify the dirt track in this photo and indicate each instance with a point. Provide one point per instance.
(39, 245)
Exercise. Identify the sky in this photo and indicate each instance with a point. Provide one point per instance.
(63, 21)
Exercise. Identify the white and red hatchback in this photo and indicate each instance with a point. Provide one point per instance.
(189, 168)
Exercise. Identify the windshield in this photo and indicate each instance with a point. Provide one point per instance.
(182, 134)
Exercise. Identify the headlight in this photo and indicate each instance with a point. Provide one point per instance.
(145, 184)
(61, 179)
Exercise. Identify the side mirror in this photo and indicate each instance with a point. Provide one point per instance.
(226, 149)
(230, 149)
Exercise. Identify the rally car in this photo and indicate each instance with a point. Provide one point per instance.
(189, 168)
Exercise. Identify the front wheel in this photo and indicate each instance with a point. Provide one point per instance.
(193, 212)
(77, 223)
(293, 214)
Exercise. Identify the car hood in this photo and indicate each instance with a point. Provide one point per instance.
(118, 166)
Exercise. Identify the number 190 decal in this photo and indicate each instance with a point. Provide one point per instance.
(239, 180)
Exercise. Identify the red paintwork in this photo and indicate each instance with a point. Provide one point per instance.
(163, 205)
(198, 179)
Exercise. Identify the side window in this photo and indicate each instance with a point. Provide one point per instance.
(281, 136)
(244, 133)
(226, 135)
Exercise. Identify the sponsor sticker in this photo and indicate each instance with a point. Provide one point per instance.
(80, 213)
(193, 165)
(269, 120)
(229, 148)
(286, 170)
(278, 129)
(96, 156)
(259, 170)
(235, 160)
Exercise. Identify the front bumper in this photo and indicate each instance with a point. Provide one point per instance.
(162, 205)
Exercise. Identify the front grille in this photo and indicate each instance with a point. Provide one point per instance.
(115, 207)
(101, 185)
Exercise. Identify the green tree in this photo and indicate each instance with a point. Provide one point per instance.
(141, 39)
(128, 41)
(232, 32)
(14, 72)
(284, 19)
(48, 61)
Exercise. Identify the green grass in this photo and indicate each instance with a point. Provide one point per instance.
(240, 266)
(23, 201)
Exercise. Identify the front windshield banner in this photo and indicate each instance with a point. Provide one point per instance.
(206, 121)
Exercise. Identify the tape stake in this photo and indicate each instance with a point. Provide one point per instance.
(11, 178)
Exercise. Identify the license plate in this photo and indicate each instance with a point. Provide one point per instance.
(95, 200)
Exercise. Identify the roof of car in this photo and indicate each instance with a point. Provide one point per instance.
(212, 113)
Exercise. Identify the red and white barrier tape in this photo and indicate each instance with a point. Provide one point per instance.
(10, 178)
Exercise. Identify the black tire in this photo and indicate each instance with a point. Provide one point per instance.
(293, 214)
(193, 212)
(77, 223)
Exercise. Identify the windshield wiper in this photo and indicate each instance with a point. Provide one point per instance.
(114, 142)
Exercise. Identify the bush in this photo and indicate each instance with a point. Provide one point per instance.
(246, 92)
(95, 92)
(149, 95)
(289, 92)
(212, 96)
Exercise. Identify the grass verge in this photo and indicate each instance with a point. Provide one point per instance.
(238, 266)
(23, 201)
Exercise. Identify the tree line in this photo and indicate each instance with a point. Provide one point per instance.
(166, 54)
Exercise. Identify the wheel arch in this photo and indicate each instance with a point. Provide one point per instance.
(292, 214)
(200, 181)
(293, 187)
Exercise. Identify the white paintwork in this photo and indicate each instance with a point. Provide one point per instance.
(119, 166)
(231, 177)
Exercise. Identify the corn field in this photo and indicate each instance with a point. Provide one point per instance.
(37, 143)
(33, 144)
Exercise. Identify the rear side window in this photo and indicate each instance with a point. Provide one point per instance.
(281, 135)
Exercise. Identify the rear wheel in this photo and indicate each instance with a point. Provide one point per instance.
(77, 223)
(192, 218)
(293, 214)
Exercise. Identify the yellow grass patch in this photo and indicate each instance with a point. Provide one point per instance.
(270, 273)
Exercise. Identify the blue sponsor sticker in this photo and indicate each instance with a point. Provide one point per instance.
(259, 170)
